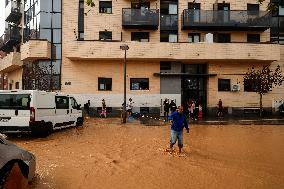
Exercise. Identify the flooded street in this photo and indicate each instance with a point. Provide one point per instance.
(106, 154)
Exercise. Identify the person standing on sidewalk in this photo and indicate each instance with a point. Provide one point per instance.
(178, 119)
(173, 106)
(166, 109)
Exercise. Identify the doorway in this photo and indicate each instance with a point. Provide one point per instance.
(194, 85)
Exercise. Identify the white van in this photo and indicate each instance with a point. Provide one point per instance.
(38, 112)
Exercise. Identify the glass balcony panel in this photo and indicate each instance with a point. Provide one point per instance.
(169, 22)
(226, 20)
(140, 18)
(10, 38)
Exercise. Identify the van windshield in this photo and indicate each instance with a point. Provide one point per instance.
(15, 101)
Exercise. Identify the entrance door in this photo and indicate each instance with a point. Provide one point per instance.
(195, 8)
(194, 86)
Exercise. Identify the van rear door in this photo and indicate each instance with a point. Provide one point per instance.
(14, 110)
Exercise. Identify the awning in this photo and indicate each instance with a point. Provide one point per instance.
(185, 74)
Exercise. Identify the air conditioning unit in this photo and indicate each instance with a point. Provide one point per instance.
(236, 87)
(209, 38)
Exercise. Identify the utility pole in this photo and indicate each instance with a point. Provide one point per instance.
(124, 114)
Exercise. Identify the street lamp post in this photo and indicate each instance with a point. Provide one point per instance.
(125, 48)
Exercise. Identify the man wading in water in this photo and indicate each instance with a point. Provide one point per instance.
(178, 120)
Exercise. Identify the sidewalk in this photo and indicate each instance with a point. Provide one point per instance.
(241, 121)
(253, 120)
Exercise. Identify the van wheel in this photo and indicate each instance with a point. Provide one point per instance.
(42, 129)
(49, 128)
(80, 121)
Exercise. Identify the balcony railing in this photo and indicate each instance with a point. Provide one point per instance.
(226, 20)
(10, 38)
(13, 11)
(169, 22)
(140, 18)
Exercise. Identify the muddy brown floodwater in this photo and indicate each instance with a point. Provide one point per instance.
(105, 154)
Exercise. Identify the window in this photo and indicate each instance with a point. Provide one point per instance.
(62, 102)
(281, 10)
(105, 7)
(224, 85)
(139, 5)
(140, 36)
(253, 7)
(74, 104)
(168, 36)
(81, 36)
(281, 39)
(104, 84)
(194, 37)
(173, 38)
(139, 83)
(81, 20)
(172, 8)
(17, 85)
(165, 65)
(249, 87)
(222, 38)
(15, 101)
(105, 35)
(253, 38)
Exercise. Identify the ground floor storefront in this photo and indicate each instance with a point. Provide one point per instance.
(149, 83)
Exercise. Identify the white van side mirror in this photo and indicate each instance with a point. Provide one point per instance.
(79, 107)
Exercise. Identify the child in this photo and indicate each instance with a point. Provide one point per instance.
(103, 113)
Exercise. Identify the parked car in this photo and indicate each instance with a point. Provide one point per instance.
(17, 166)
(38, 112)
(281, 109)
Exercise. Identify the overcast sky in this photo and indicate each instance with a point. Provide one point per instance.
(2, 16)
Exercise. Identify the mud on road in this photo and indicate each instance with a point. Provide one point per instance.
(105, 154)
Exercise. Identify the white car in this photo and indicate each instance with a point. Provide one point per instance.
(38, 112)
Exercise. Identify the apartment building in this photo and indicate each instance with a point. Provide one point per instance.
(180, 50)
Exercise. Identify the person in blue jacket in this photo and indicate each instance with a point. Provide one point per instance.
(178, 119)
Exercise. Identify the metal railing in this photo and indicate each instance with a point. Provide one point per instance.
(140, 18)
(13, 11)
(221, 18)
(11, 36)
(169, 22)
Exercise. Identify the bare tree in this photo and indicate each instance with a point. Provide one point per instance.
(262, 81)
(37, 76)
(271, 6)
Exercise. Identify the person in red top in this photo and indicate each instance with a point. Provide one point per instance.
(220, 108)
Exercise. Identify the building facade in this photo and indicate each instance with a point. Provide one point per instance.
(180, 50)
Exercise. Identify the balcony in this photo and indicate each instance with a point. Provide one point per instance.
(147, 19)
(10, 38)
(225, 20)
(169, 22)
(13, 11)
(98, 50)
(36, 50)
(10, 62)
